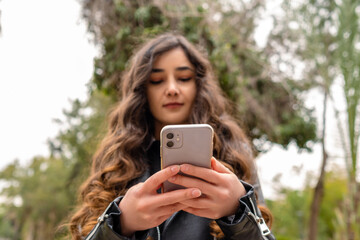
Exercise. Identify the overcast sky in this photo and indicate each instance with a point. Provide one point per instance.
(46, 60)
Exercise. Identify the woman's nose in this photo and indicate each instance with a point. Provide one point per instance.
(172, 88)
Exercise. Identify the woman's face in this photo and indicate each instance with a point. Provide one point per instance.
(171, 89)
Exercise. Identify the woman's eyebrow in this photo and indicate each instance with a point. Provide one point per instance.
(156, 70)
(184, 68)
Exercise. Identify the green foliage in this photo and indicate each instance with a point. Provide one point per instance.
(291, 210)
(290, 214)
(268, 109)
(335, 192)
(40, 196)
(82, 131)
(35, 198)
(7, 230)
(324, 36)
(348, 58)
(268, 104)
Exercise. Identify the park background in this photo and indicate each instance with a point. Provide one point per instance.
(277, 60)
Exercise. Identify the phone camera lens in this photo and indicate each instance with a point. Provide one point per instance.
(170, 135)
(170, 144)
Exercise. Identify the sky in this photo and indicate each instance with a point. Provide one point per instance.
(46, 60)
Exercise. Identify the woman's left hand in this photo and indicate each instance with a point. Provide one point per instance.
(220, 188)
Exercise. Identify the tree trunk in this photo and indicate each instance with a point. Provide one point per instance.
(319, 189)
(353, 218)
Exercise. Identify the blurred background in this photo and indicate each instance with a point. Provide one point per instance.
(291, 67)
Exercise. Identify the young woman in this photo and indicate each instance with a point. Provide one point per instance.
(169, 82)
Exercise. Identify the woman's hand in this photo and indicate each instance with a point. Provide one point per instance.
(143, 208)
(220, 188)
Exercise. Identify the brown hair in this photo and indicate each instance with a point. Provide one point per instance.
(118, 161)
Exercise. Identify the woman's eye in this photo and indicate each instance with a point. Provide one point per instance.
(154, 82)
(185, 79)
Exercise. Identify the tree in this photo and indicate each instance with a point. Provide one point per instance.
(270, 108)
(82, 130)
(323, 35)
(42, 194)
(291, 209)
(310, 40)
(36, 201)
(348, 57)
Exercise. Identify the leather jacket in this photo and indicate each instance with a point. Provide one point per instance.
(247, 223)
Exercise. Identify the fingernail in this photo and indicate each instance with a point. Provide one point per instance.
(175, 169)
(196, 193)
(172, 179)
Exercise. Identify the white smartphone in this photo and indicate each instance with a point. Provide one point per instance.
(185, 143)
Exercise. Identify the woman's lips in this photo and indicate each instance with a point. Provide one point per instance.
(173, 105)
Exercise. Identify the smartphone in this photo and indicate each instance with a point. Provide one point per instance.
(185, 143)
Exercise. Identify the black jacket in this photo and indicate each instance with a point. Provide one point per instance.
(247, 223)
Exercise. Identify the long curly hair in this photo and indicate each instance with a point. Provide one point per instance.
(119, 159)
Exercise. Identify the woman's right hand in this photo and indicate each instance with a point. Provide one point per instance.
(143, 208)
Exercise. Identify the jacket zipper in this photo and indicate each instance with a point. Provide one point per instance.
(259, 221)
(102, 217)
(99, 221)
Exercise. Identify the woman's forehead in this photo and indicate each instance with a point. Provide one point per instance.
(175, 57)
